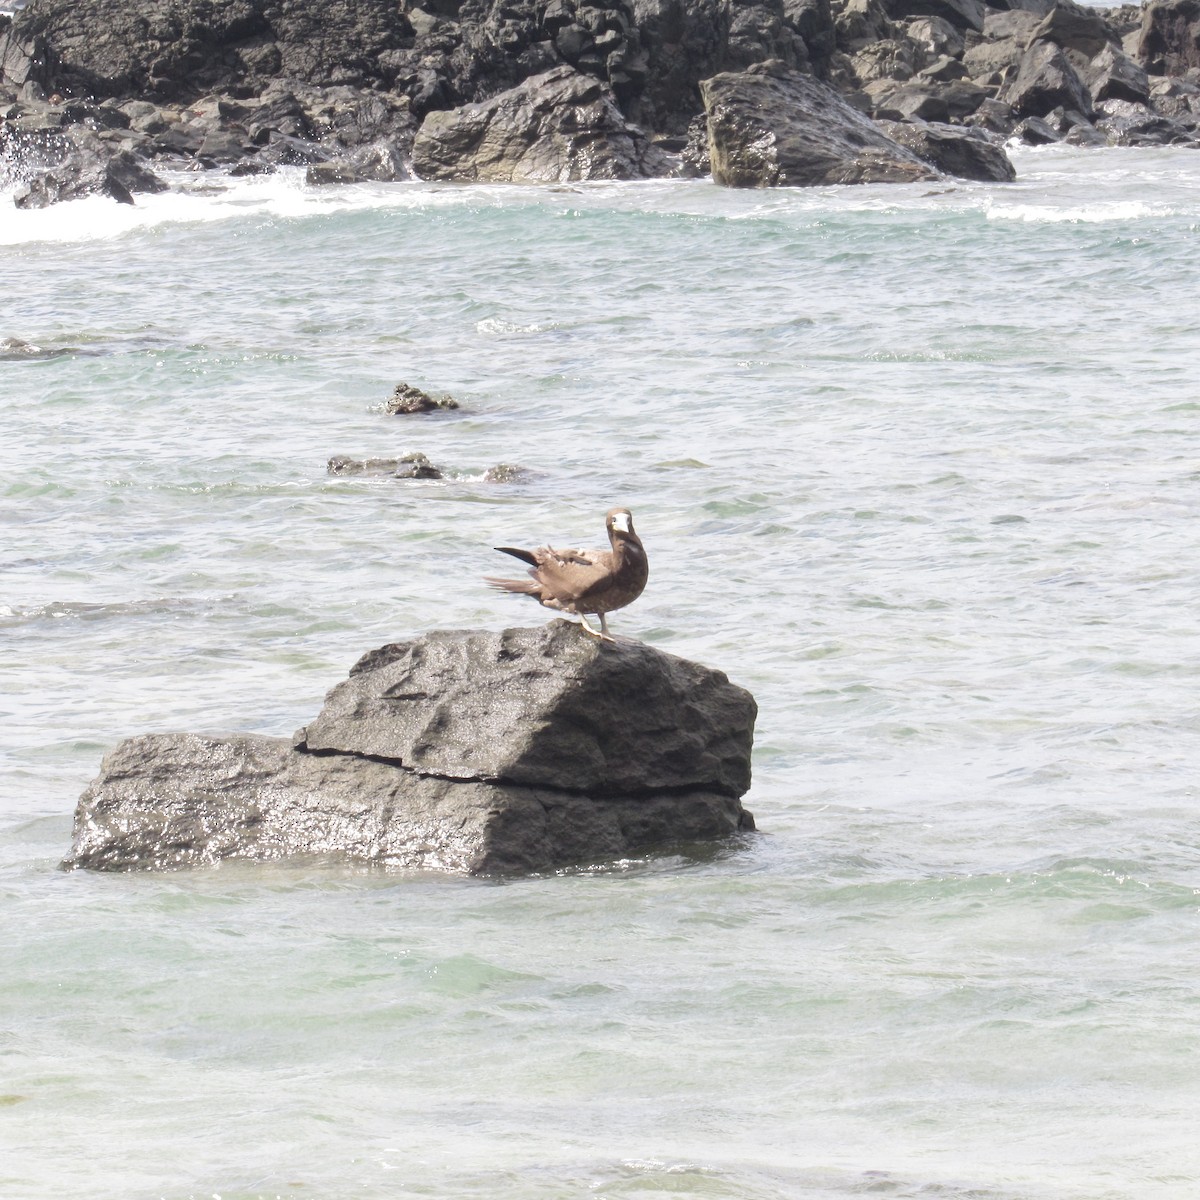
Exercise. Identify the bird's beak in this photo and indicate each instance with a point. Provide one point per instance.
(623, 522)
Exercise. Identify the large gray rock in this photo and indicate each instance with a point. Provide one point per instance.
(554, 128)
(1045, 80)
(482, 753)
(769, 127)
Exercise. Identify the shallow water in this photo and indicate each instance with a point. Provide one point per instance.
(916, 465)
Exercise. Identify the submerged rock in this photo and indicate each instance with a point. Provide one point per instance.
(407, 399)
(408, 466)
(475, 752)
(506, 473)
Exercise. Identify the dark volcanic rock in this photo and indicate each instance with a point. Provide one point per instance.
(552, 90)
(954, 150)
(184, 48)
(768, 128)
(482, 753)
(172, 801)
(558, 127)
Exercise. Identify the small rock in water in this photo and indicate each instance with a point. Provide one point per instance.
(16, 348)
(416, 466)
(408, 466)
(505, 473)
(407, 399)
(476, 752)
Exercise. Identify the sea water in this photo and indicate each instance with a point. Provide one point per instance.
(918, 465)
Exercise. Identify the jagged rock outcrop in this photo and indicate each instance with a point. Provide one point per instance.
(484, 753)
(553, 128)
(769, 127)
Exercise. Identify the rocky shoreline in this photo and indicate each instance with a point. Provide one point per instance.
(109, 96)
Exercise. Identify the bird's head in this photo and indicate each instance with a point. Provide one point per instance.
(620, 522)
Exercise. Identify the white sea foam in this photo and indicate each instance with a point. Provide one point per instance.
(1055, 184)
(1129, 210)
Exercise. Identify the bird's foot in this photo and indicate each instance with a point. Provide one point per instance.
(598, 634)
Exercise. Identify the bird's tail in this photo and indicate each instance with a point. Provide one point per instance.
(521, 587)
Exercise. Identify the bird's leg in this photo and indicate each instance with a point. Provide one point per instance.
(600, 635)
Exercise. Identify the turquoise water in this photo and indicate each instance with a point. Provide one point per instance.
(918, 466)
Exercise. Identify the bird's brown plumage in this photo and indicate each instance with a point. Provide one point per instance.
(585, 581)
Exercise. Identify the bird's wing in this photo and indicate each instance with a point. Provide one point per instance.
(575, 574)
(584, 557)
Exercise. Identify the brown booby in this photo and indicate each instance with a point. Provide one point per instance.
(585, 581)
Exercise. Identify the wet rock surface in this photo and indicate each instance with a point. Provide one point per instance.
(482, 753)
